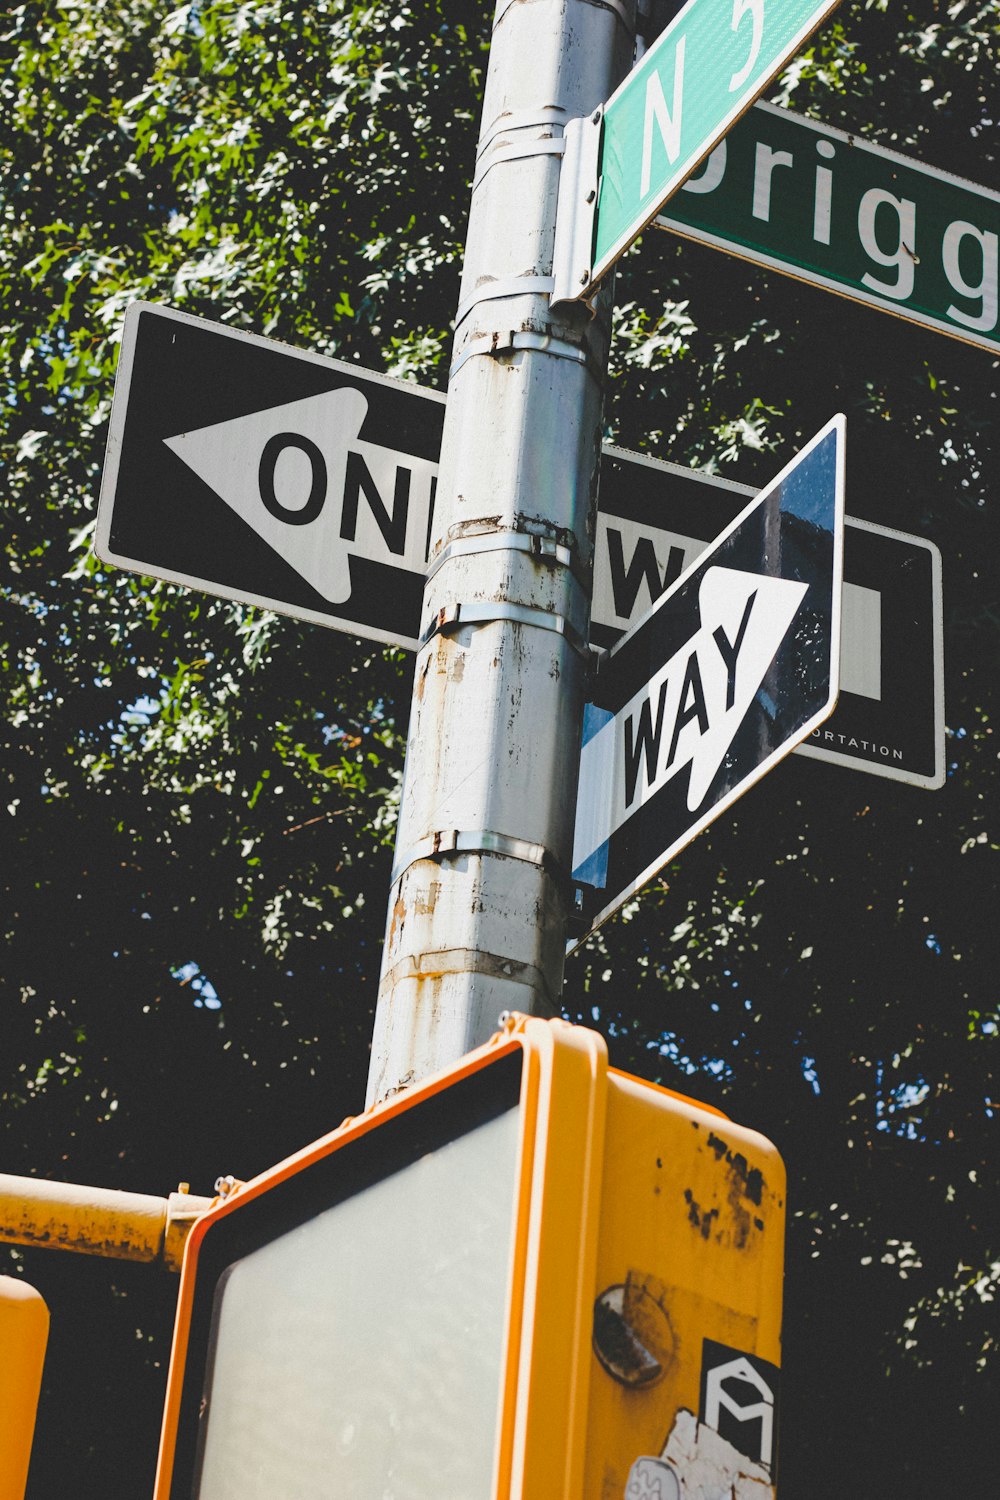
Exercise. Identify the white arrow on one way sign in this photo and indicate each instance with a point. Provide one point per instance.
(689, 711)
(301, 477)
(269, 475)
(733, 665)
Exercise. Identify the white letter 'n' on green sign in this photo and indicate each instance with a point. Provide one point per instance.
(668, 125)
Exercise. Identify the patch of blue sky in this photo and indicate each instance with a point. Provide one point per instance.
(140, 711)
(668, 1046)
(894, 1107)
(190, 974)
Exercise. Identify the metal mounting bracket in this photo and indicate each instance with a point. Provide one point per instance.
(576, 207)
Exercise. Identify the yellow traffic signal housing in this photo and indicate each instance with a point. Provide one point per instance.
(24, 1332)
(530, 1277)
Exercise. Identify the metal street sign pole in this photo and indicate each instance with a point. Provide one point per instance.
(480, 886)
(626, 158)
(839, 212)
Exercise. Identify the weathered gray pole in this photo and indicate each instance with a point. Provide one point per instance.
(480, 889)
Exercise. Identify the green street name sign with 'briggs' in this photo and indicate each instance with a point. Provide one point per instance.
(816, 203)
(703, 71)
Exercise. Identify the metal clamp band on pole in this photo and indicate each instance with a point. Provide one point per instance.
(508, 342)
(469, 961)
(620, 10)
(476, 841)
(505, 286)
(517, 151)
(544, 547)
(454, 615)
(521, 119)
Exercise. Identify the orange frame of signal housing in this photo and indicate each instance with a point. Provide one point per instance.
(628, 1197)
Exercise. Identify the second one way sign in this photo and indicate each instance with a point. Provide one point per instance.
(735, 664)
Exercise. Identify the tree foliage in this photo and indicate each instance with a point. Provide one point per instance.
(199, 798)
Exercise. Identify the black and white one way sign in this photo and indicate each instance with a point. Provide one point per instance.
(655, 518)
(269, 475)
(264, 473)
(735, 664)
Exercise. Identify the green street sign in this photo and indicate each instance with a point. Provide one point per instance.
(703, 71)
(816, 203)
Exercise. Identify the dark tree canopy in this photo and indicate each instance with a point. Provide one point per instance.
(199, 798)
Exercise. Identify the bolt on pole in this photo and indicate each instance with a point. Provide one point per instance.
(481, 892)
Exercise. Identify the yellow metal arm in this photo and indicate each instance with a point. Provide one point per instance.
(97, 1221)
